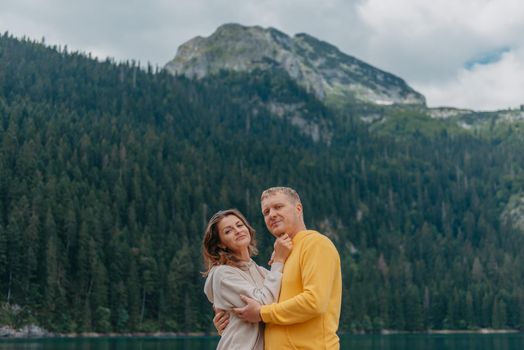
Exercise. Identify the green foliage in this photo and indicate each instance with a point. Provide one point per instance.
(413, 121)
(102, 319)
(109, 172)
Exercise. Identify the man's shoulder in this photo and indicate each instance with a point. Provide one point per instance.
(313, 237)
(319, 247)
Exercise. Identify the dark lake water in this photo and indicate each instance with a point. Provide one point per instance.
(514, 341)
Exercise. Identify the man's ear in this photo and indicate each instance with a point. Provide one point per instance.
(299, 208)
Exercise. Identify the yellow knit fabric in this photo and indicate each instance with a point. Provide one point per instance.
(308, 311)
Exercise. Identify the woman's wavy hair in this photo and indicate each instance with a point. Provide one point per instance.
(212, 251)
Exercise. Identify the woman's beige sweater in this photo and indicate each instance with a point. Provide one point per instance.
(223, 287)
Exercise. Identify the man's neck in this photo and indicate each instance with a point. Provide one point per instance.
(302, 228)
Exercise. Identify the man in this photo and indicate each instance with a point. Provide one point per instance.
(308, 310)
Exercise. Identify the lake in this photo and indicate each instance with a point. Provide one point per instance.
(512, 341)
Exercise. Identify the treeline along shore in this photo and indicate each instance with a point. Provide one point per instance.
(109, 171)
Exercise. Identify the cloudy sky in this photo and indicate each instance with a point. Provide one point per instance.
(459, 53)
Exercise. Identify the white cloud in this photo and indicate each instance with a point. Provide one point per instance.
(428, 43)
(492, 86)
(430, 39)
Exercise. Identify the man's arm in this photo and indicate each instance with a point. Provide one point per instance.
(320, 269)
(221, 320)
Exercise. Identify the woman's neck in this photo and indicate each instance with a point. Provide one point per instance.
(243, 255)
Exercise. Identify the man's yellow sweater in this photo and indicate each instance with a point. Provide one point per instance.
(308, 311)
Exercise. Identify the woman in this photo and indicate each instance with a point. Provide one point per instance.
(229, 243)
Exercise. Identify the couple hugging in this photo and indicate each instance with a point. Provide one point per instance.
(295, 305)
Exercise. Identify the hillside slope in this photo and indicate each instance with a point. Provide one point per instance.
(108, 173)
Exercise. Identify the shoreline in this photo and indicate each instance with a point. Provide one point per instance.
(479, 331)
(33, 331)
(453, 331)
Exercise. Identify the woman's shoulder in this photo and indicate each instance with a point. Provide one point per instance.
(220, 270)
(220, 273)
(243, 271)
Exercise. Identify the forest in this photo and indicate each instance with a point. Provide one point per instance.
(110, 170)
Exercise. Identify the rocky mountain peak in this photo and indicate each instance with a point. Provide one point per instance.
(318, 66)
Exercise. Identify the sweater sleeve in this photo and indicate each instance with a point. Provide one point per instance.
(232, 282)
(320, 264)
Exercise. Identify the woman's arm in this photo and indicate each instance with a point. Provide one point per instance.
(231, 282)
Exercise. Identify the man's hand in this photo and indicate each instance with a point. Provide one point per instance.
(249, 313)
(221, 320)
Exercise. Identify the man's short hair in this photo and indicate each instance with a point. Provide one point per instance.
(288, 191)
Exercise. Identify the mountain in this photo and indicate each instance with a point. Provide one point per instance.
(109, 172)
(333, 77)
(319, 67)
(473, 120)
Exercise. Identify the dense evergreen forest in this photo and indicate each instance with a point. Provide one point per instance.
(109, 171)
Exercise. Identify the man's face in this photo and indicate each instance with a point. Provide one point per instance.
(281, 214)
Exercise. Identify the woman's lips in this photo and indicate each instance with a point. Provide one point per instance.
(240, 237)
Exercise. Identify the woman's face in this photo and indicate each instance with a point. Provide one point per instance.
(234, 235)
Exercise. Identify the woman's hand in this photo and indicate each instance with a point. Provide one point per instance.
(283, 246)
